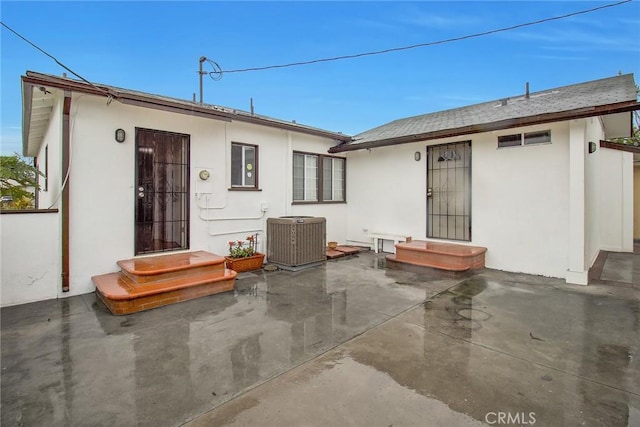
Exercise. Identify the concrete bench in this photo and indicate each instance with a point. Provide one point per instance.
(397, 238)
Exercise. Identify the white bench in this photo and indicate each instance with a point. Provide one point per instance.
(397, 238)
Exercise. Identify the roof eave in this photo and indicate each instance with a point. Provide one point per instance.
(493, 126)
(621, 147)
(293, 127)
(179, 107)
(27, 93)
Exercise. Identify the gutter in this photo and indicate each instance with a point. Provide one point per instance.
(621, 147)
(580, 113)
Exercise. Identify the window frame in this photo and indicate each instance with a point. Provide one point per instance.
(535, 134)
(508, 140)
(46, 168)
(255, 170)
(304, 178)
(320, 179)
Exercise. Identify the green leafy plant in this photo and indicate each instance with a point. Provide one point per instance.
(18, 182)
(244, 249)
(634, 139)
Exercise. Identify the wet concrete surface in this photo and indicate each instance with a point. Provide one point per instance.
(621, 267)
(350, 343)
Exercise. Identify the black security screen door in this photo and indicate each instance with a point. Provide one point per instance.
(449, 191)
(162, 191)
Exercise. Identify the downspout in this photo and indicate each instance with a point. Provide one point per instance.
(65, 191)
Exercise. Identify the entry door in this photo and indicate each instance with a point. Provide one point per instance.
(162, 191)
(449, 191)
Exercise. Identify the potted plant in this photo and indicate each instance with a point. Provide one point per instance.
(243, 255)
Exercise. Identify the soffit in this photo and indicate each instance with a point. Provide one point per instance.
(38, 104)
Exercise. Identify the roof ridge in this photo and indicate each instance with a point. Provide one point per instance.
(511, 97)
(603, 96)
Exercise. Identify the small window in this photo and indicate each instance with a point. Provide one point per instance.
(510, 140)
(305, 177)
(537, 137)
(333, 179)
(318, 178)
(530, 138)
(244, 166)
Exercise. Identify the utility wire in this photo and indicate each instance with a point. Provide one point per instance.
(108, 93)
(455, 39)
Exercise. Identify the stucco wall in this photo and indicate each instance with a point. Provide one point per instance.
(103, 188)
(520, 202)
(608, 197)
(616, 200)
(386, 190)
(593, 188)
(519, 198)
(30, 257)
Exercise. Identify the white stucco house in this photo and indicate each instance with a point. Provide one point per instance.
(526, 177)
(523, 176)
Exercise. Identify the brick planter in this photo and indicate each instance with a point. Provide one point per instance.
(440, 255)
(245, 264)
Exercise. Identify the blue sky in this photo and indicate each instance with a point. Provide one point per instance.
(154, 47)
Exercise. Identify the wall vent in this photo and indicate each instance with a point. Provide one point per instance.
(296, 241)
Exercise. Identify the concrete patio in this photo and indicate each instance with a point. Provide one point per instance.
(350, 343)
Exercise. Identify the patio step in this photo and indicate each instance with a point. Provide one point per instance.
(439, 255)
(150, 282)
(162, 267)
(341, 250)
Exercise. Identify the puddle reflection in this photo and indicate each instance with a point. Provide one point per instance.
(162, 366)
(474, 352)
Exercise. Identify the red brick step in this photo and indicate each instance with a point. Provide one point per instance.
(150, 282)
(439, 255)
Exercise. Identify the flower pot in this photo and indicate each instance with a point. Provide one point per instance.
(245, 264)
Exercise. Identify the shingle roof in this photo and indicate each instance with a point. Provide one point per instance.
(578, 100)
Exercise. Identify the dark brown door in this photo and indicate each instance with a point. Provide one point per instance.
(449, 191)
(162, 191)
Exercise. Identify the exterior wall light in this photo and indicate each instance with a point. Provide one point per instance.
(592, 147)
(417, 155)
(120, 135)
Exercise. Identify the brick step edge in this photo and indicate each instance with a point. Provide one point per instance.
(122, 307)
(437, 266)
(117, 286)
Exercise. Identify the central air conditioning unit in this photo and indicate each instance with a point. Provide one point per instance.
(296, 242)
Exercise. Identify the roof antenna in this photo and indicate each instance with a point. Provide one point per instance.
(252, 106)
(216, 74)
(526, 95)
(200, 72)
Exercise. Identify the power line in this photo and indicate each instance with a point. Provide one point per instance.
(455, 39)
(109, 94)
